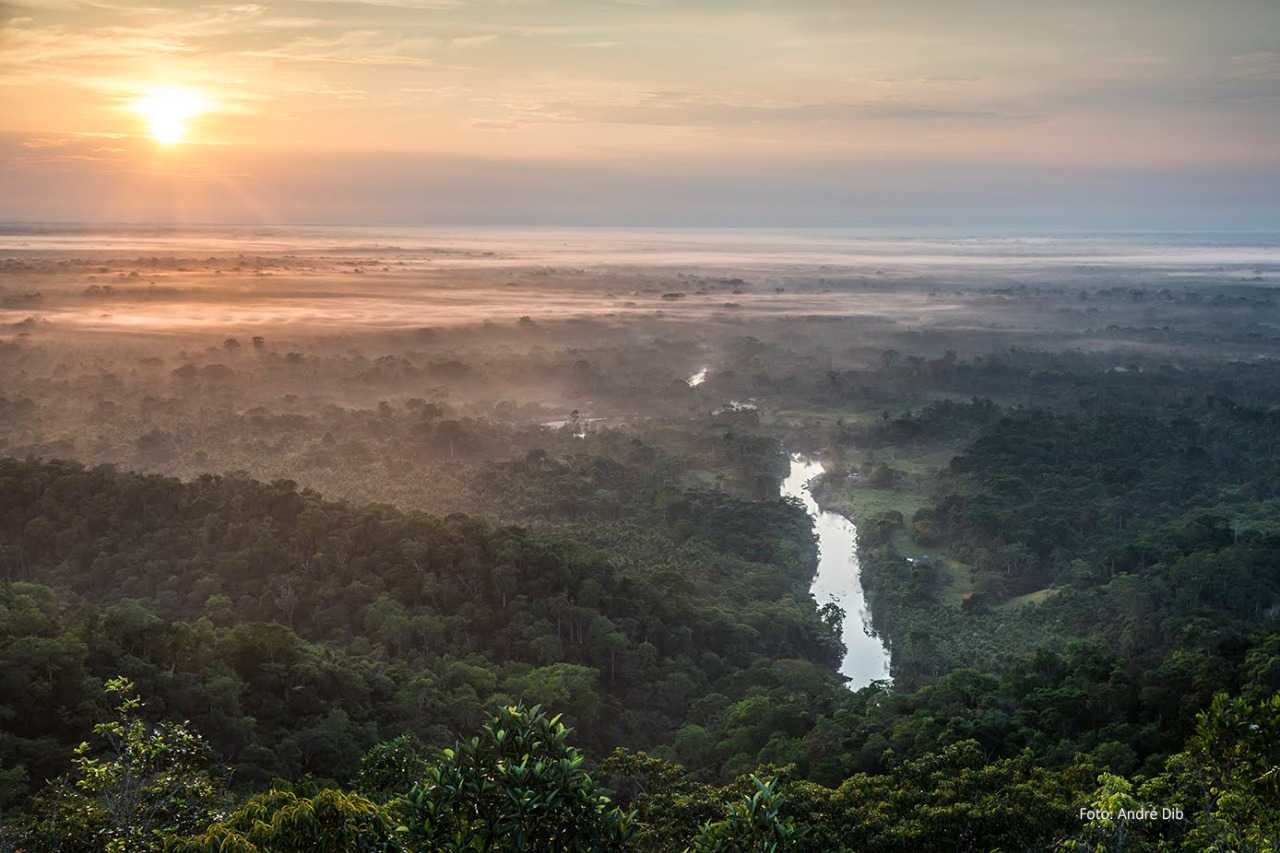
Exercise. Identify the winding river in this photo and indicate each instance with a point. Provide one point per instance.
(866, 658)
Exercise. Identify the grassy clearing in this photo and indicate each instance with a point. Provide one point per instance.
(861, 501)
(915, 463)
(864, 502)
(959, 580)
(1029, 598)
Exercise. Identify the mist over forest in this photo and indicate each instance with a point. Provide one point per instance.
(326, 539)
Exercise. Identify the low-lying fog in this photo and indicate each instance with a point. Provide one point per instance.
(326, 280)
(363, 362)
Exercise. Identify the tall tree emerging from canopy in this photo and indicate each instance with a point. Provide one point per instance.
(518, 785)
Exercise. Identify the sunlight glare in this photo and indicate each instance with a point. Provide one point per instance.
(167, 110)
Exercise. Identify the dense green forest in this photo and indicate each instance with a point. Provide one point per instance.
(670, 622)
(519, 784)
(295, 632)
(531, 587)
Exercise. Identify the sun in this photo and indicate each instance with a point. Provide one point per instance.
(167, 110)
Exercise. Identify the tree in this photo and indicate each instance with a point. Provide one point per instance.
(518, 786)
(753, 825)
(145, 783)
(280, 821)
(563, 685)
(392, 767)
(1229, 775)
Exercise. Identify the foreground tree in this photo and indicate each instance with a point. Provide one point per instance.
(392, 767)
(1230, 772)
(279, 821)
(753, 825)
(143, 783)
(519, 785)
(1221, 793)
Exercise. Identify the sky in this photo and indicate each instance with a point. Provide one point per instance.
(1083, 115)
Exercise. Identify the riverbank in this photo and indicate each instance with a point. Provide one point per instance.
(882, 495)
(920, 598)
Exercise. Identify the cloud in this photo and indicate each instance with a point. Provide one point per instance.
(1135, 82)
(416, 5)
(692, 109)
(471, 41)
(42, 46)
(340, 93)
(359, 47)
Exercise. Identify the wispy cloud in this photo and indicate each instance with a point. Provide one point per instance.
(415, 5)
(368, 47)
(690, 81)
(681, 108)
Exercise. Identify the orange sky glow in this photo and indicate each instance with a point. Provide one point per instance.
(231, 103)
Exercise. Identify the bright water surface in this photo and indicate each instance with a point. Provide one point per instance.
(838, 579)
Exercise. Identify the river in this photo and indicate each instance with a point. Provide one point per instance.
(866, 658)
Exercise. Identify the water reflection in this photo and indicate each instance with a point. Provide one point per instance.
(866, 658)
